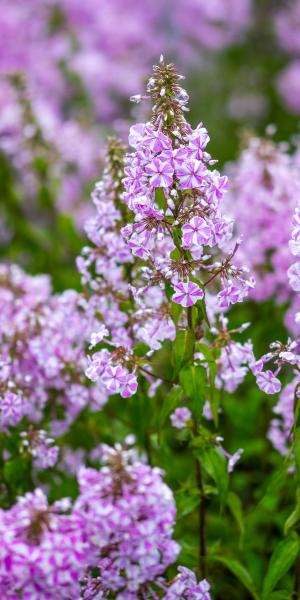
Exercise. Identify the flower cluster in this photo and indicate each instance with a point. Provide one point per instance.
(43, 552)
(266, 178)
(40, 447)
(121, 525)
(43, 357)
(129, 514)
(169, 216)
(282, 356)
(171, 188)
(186, 587)
(287, 26)
(84, 55)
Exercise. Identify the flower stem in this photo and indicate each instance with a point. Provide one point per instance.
(202, 521)
(201, 513)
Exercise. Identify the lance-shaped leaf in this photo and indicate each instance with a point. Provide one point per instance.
(193, 381)
(281, 561)
(183, 349)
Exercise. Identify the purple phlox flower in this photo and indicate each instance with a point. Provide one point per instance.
(191, 174)
(161, 173)
(114, 377)
(97, 364)
(231, 294)
(180, 417)
(232, 458)
(136, 245)
(196, 232)
(218, 186)
(221, 231)
(294, 276)
(257, 366)
(156, 140)
(235, 292)
(186, 587)
(40, 447)
(129, 387)
(136, 134)
(180, 156)
(198, 142)
(268, 383)
(12, 408)
(187, 293)
(98, 336)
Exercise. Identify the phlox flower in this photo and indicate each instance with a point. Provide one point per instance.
(294, 276)
(230, 295)
(268, 383)
(186, 587)
(11, 409)
(196, 232)
(191, 174)
(187, 293)
(198, 142)
(99, 335)
(180, 416)
(156, 140)
(161, 173)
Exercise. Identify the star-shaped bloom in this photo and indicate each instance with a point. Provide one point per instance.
(196, 233)
(191, 174)
(187, 293)
(114, 377)
(230, 295)
(161, 173)
(156, 140)
(268, 383)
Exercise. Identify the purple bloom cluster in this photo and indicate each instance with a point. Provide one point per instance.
(121, 524)
(43, 357)
(83, 51)
(186, 587)
(129, 514)
(164, 230)
(287, 26)
(169, 184)
(281, 356)
(266, 181)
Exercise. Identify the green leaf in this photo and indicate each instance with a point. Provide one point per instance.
(281, 561)
(186, 502)
(193, 381)
(202, 308)
(183, 349)
(280, 595)
(275, 482)
(160, 198)
(215, 464)
(16, 472)
(239, 571)
(176, 311)
(294, 517)
(297, 452)
(235, 507)
(170, 402)
(140, 349)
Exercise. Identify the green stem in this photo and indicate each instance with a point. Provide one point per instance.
(201, 513)
(202, 521)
